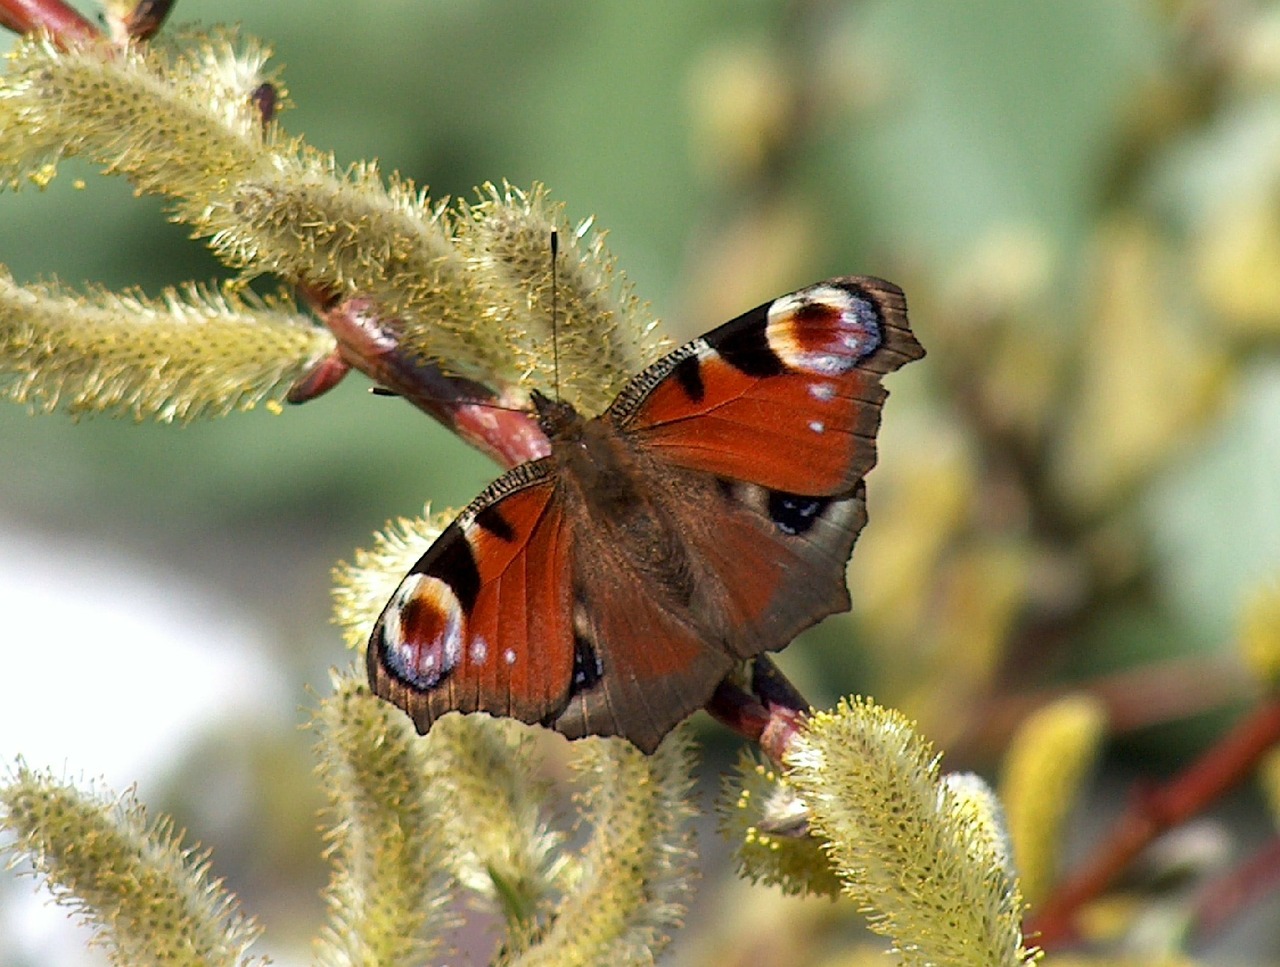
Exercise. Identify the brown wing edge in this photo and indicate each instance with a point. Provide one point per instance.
(900, 345)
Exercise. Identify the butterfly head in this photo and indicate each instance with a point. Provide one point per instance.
(557, 418)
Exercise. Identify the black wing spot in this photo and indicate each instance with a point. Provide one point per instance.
(688, 373)
(451, 560)
(795, 513)
(744, 344)
(491, 519)
(587, 670)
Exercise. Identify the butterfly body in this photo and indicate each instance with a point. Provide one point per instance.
(705, 517)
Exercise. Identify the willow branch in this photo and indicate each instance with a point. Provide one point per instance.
(1219, 769)
(367, 342)
(769, 711)
(1232, 893)
(62, 23)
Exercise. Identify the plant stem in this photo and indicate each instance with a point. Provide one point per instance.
(1230, 894)
(367, 342)
(63, 24)
(1153, 811)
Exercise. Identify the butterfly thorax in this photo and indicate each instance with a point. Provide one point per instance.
(603, 478)
(596, 463)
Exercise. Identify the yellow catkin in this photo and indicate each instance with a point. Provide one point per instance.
(1260, 634)
(189, 353)
(500, 844)
(978, 803)
(467, 288)
(149, 898)
(1122, 420)
(636, 868)
(1043, 769)
(388, 891)
(181, 125)
(925, 868)
(603, 332)
(362, 588)
(797, 864)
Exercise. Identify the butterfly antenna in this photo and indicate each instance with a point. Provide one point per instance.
(555, 329)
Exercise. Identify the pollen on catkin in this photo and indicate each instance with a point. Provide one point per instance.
(191, 352)
(362, 588)
(925, 866)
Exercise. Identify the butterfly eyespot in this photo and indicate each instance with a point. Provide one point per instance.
(587, 668)
(795, 514)
(422, 631)
(817, 426)
(509, 656)
(479, 651)
(823, 329)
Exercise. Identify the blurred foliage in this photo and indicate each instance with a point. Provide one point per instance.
(1081, 199)
(1048, 758)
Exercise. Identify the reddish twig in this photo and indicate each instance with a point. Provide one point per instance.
(734, 707)
(1151, 812)
(367, 342)
(770, 712)
(1228, 895)
(787, 708)
(63, 24)
(1135, 698)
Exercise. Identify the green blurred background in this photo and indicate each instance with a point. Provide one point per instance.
(1080, 197)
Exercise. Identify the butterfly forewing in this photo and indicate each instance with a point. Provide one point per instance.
(787, 395)
(482, 621)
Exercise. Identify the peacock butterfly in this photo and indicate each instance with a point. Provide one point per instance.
(704, 518)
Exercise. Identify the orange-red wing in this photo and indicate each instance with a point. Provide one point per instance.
(638, 669)
(787, 395)
(483, 622)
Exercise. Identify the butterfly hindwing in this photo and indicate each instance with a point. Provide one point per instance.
(755, 571)
(787, 395)
(482, 621)
(781, 558)
(644, 669)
